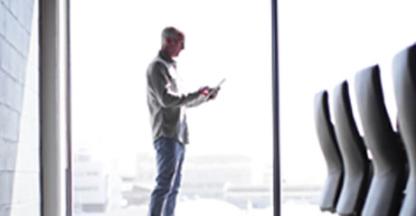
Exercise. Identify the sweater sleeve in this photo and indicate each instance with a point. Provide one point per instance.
(198, 101)
(159, 83)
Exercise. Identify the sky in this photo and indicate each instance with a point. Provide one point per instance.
(321, 43)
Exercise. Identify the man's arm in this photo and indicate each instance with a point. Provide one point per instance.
(210, 94)
(159, 82)
(198, 101)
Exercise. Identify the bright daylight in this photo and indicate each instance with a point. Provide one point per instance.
(167, 107)
(227, 168)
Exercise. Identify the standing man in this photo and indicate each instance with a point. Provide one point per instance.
(167, 105)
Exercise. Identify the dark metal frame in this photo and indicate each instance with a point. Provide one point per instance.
(68, 115)
(49, 109)
(276, 119)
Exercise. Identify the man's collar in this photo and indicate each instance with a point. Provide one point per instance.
(166, 57)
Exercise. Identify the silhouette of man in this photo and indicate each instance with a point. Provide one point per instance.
(167, 104)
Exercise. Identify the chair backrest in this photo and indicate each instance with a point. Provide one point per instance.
(354, 155)
(329, 147)
(404, 77)
(385, 193)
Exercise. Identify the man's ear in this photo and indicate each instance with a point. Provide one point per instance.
(169, 40)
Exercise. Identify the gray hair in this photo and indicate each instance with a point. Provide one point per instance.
(171, 32)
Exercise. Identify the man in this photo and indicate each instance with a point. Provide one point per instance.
(167, 105)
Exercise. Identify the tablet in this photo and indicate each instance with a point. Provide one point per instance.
(216, 87)
(219, 84)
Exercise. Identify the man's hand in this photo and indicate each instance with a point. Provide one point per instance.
(214, 93)
(211, 92)
(204, 90)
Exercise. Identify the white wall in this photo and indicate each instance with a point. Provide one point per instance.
(19, 118)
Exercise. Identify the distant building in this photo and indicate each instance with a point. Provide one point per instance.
(226, 177)
(207, 175)
(249, 196)
(91, 184)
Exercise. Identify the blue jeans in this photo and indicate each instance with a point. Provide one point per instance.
(169, 155)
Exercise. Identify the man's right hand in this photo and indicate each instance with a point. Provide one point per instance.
(211, 92)
(205, 91)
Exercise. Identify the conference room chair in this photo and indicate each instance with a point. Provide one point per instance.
(404, 82)
(357, 165)
(388, 156)
(331, 153)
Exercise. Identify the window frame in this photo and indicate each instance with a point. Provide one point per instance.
(54, 79)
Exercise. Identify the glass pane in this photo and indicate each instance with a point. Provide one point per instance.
(228, 163)
(323, 43)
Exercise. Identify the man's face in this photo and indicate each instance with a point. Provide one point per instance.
(177, 46)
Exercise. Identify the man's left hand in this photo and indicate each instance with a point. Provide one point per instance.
(214, 93)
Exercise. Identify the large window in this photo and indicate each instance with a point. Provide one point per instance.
(323, 43)
(228, 164)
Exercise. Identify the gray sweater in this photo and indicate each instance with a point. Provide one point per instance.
(166, 103)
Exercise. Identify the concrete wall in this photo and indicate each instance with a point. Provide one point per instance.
(19, 109)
